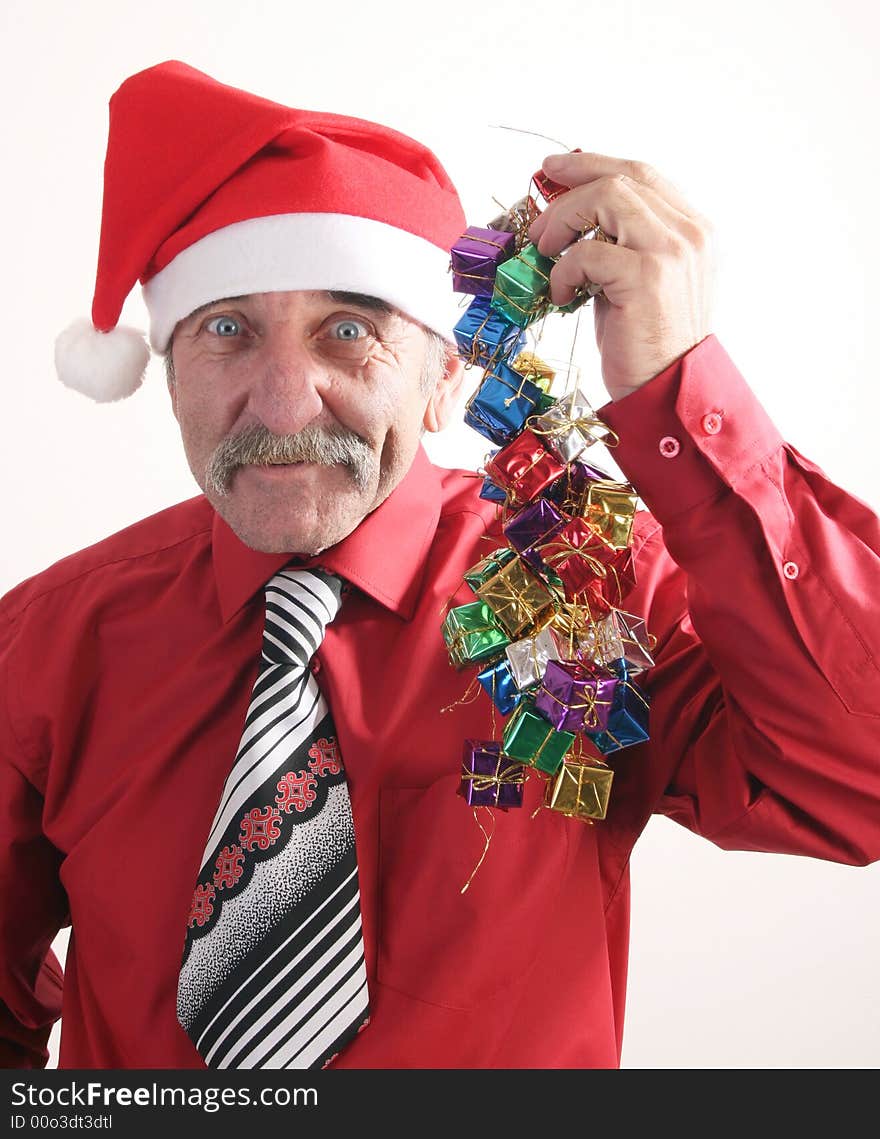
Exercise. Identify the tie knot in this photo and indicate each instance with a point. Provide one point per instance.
(300, 604)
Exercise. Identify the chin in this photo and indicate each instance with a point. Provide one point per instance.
(267, 530)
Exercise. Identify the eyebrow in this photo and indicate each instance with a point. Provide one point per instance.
(361, 300)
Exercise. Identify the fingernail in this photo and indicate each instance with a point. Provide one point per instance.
(553, 162)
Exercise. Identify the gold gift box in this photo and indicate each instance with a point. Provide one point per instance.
(517, 598)
(580, 791)
(610, 508)
(535, 369)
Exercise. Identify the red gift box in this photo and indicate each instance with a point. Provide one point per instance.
(524, 467)
(591, 569)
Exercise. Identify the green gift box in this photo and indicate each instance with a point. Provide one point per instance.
(488, 567)
(522, 288)
(472, 634)
(530, 739)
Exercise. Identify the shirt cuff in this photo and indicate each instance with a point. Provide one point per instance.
(690, 432)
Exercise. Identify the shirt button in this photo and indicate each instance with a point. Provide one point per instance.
(669, 446)
(712, 423)
(790, 569)
(315, 666)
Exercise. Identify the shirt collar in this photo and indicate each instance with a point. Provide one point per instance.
(405, 523)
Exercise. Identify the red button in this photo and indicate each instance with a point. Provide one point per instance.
(790, 569)
(669, 446)
(712, 423)
(315, 665)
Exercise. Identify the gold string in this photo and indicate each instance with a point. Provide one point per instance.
(487, 837)
(509, 778)
(480, 240)
(469, 696)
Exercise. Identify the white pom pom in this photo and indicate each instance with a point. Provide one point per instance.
(102, 365)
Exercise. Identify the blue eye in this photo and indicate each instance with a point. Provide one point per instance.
(224, 326)
(349, 330)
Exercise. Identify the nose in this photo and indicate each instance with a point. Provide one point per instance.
(288, 382)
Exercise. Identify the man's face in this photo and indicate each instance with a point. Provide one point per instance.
(331, 380)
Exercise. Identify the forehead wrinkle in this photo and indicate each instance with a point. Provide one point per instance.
(361, 300)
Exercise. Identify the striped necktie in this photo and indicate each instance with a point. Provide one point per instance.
(273, 972)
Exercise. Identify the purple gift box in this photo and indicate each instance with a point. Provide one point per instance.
(488, 778)
(574, 482)
(574, 700)
(475, 257)
(532, 526)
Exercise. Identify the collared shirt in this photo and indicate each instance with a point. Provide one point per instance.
(126, 671)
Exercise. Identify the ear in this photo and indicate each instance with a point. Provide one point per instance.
(444, 398)
(172, 383)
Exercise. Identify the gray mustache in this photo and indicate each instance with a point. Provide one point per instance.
(257, 445)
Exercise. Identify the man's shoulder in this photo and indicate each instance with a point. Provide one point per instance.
(166, 530)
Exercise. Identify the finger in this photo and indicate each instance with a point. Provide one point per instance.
(613, 267)
(578, 169)
(614, 204)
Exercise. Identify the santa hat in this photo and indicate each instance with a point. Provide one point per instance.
(211, 192)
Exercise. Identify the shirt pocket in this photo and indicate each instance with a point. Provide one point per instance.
(452, 949)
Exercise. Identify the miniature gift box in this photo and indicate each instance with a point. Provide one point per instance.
(475, 257)
(530, 739)
(610, 508)
(532, 527)
(546, 187)
(472, 634)
(535, 369)
(529, 657)
(522, 287)
(488, 778)
(518, 600)
(569, 427)
(569, 493)
(499, 682)
(627, 721)
(517, 219)
(484, 336)
(587, 564)
(580, 790)
(619, 634)
(574, 699)
(501, 404)
(524, 467)
(492, 493)
(488, 566)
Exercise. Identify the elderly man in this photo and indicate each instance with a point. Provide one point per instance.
(222, 756)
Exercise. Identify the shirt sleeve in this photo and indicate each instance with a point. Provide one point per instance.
(33, 904)
(765, 695)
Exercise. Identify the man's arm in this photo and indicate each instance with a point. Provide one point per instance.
(766, 694)
(33, 905)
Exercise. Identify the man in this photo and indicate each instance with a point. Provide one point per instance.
(294, 269)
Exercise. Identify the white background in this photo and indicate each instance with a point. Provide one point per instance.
(763, 113)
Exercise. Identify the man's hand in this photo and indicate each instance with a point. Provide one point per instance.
(657, 278)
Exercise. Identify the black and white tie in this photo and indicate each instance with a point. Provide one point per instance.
(273, 972)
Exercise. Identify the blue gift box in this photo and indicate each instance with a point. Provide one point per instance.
(627, 720)
(491, 492)
(501, 404)
(484, 336)
(498, 681)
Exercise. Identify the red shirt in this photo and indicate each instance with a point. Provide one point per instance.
(126, 671)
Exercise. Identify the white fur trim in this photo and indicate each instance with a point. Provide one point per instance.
(305, 251)
(105, 366)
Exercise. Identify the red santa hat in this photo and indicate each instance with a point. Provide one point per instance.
(211, 192)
